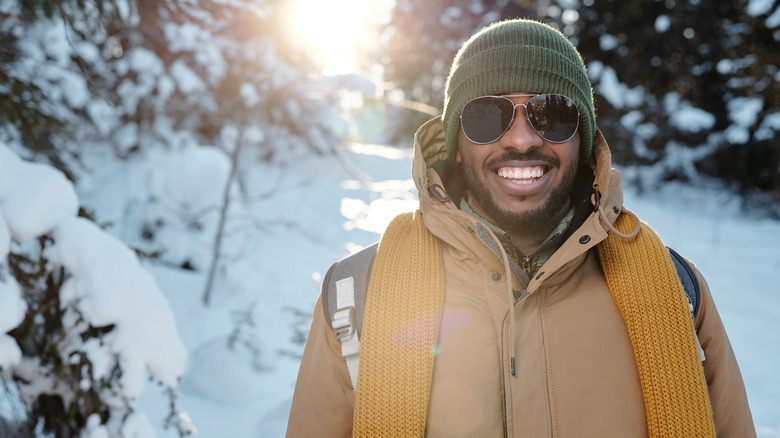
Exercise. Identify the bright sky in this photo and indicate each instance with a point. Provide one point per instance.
(336, 28)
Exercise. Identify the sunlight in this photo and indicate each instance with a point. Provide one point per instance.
(334, 28)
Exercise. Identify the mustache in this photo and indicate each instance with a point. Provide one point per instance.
(531, 155)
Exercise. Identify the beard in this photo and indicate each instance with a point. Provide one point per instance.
(517, 221)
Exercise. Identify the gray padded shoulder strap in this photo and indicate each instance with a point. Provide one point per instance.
(688, 279)
(359, 267)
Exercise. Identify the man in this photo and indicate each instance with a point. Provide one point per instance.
(546, 309)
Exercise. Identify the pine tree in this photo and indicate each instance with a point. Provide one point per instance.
(700, 77)
(125, 74)
(74, 350)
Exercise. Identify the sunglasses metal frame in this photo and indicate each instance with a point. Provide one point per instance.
(514, 111)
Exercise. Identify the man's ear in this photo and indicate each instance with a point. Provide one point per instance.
(457, 156)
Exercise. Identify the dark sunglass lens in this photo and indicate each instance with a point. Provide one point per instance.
(484, 119)
(553, 116)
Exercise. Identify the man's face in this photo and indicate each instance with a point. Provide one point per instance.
(520, 181)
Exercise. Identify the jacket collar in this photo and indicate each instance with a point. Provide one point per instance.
(459, 229)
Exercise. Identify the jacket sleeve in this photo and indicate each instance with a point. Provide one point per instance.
(727, 390)
(323, 402)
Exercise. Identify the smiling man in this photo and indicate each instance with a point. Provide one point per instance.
(521, 299)
(519, 181)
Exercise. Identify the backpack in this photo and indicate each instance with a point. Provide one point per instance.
(345, 286)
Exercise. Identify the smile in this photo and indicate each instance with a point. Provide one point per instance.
(522, 175)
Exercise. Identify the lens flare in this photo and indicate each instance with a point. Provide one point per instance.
(333, 27)
(416, 335)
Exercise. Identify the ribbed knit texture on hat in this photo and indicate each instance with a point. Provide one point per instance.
(518, 56)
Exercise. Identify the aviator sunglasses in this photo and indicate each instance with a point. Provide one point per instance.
(553, 116)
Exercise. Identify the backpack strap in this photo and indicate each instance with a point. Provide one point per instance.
(692, 289)
(344, 300)
(688, 279)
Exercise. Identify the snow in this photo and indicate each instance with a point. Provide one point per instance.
(226, 374)
(684, 116)
(189, 37)
(5, 237)
(730, 66)
(77, 95)
(662, 23)
(204, 168)
(758, 7)
(773, 20)
(631, 119)
(770, 124)
(102, 115)
(608, 42)
(744, 110)
(614, 91)
(450, 16)
(186, 79)
(691, 119)
(106, 285)
(33, 197)
(144, 61)
(12, 310)
(110, 287)
(249, 94)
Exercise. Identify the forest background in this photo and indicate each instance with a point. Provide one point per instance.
(209, 114)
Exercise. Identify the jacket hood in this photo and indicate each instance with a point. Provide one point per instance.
(472, 240)
(429, 162)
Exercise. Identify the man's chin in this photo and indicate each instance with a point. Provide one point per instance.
(528, 219)
(518, 212)
(524, 213)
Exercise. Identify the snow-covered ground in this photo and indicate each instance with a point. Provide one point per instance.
(335, 213)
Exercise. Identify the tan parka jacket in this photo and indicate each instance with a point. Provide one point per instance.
(575, 370)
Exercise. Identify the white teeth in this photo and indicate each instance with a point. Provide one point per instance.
(521, 175)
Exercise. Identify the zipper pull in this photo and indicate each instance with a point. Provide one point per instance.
(527, 265)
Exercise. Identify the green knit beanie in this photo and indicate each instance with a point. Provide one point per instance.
(518, 56)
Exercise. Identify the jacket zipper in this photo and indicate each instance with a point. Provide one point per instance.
(513, 370)
(550, 416)
(503, 373)
(527, 264)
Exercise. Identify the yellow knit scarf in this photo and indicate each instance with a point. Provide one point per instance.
(400, 332)
(403, 310)
(651, 300)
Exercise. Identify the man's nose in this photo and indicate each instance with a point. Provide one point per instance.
(520, 135)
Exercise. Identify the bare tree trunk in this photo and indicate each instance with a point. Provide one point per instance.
(222, 219)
